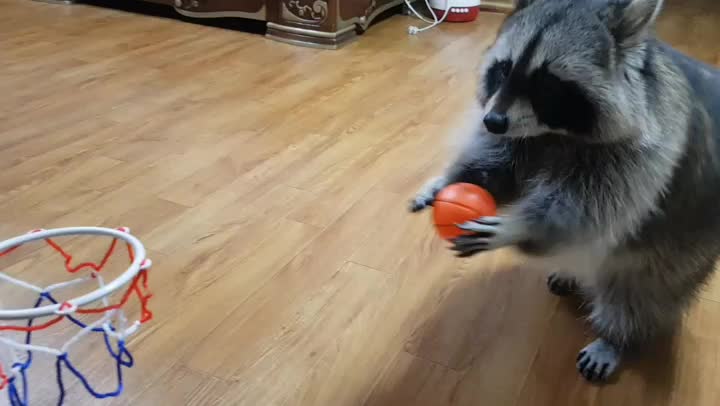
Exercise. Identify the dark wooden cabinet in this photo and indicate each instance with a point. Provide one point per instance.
(319, 23)
(254, 9)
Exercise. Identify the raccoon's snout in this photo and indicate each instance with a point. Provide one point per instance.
(496, 123)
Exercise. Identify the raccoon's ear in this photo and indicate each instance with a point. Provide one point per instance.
(629, 20)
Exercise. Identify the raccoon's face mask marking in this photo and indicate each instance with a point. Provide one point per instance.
(560, 104)
(557, 67)
(496, 76)
(532, 99)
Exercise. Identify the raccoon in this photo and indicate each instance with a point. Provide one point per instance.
(601, 145)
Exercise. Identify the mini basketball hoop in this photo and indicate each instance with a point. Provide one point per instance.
(112, 324)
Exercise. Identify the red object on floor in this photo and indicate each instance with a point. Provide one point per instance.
(459, 14)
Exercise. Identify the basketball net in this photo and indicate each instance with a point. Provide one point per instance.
(112, 324)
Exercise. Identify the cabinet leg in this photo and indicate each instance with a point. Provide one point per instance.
(311, 38)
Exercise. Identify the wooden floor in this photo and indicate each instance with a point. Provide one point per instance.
(269, 183)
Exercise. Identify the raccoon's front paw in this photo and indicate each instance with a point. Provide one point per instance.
(598, 361)
(561, 285)
(426, 195)
(420, 202)
(490, 233)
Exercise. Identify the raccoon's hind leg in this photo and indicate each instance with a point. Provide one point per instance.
(560, 284)
(625, 319)
(633, 307)
(622, 326)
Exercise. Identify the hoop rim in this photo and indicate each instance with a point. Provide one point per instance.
(97, 294)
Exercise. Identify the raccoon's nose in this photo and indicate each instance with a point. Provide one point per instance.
(496, 123)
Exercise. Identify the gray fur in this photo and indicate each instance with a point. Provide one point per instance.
(627, 209)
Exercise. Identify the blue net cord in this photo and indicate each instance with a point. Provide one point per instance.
(122, 356)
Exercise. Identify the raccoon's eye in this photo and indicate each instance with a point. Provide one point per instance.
(496, 75)
(559, 103)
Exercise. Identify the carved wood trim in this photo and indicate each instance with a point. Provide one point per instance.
(313, 12)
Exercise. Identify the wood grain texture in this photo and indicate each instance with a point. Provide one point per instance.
(269, 183)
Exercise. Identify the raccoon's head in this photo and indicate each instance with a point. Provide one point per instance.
(569, 67)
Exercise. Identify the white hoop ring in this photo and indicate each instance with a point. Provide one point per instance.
(122, 280)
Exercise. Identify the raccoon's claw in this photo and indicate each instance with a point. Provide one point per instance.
(598, 361)
(420, 203)
(469, 246)
(426, 196)
(489, 235)
(487, 225)
(560, 285)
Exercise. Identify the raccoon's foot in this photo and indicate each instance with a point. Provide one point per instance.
(561, 285)
(597, 361)
(426, 195)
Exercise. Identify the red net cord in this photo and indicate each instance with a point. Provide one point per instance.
(139, 287)
(4, 379)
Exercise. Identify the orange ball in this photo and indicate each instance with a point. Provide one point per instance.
(459, 203)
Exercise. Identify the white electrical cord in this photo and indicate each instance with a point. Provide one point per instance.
(412, 30)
